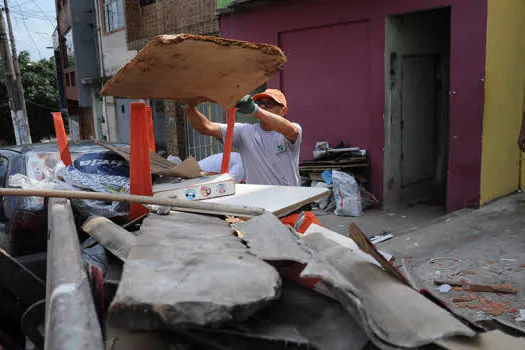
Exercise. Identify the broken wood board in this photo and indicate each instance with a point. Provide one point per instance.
(480, 288)
(189, 270)
(362, 241)
(195, 68)
(189, 168)
(279, 200)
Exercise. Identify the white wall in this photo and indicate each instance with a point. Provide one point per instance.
(115, 52)
(115, 55)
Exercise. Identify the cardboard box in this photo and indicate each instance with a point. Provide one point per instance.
(205, 187)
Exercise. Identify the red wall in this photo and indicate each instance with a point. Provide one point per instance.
(334, 78)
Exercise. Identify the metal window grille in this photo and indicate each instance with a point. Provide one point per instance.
(200, 146)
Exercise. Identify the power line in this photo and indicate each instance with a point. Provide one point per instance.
(29, 34)
(47, 107)
(42, 12)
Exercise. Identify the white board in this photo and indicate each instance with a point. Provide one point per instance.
(280, 200)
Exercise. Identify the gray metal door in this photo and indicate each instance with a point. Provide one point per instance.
(418, 126)
(159, 124)
(122, 108)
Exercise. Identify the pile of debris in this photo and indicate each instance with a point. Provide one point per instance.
(344, 170)
(260, 285)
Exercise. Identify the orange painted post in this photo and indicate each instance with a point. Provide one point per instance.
(139, 164)
(151, 133)
(63, 146)
(232, 112)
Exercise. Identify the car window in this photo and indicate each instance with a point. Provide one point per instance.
(4, 165)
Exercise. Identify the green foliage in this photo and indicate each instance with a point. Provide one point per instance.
(39, 79)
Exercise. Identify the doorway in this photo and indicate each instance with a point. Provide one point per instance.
(416, 108)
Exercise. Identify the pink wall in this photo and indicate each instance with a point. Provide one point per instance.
(335, 76)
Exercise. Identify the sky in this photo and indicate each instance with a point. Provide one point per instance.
(33, 23)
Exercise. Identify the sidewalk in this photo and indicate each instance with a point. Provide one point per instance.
(376, 221)
(485, 246)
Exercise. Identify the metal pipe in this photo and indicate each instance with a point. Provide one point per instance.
(71, 319)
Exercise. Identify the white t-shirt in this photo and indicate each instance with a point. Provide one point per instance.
(267, 156)
(213, 164)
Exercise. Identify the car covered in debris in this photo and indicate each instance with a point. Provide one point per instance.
(24, 219)
(23, 235)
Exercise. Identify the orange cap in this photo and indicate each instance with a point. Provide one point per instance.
(275, 95)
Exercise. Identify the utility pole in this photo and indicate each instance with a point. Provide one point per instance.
(16, 65)
(13, 81)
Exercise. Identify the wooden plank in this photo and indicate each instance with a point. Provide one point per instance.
(482, 288)
(362, 241)
(189, 168)
(196, 68)
(332, 167)
(335, 162)
(279, 200)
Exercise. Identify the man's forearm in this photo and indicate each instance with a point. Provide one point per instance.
(197, 119)
(278, 123)
(199, 122)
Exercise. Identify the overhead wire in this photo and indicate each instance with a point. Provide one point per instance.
(43, 13)
(24, 17)
(29, 34)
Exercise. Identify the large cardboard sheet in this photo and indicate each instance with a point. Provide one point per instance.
(196, 68)
(188, 168)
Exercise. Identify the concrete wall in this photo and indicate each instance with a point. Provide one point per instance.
(468, 22)
(85, 41)
(504, 91)
(115, 52)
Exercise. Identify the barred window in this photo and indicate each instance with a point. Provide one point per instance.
(113, 15)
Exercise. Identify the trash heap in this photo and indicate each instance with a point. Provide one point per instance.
(343, 169)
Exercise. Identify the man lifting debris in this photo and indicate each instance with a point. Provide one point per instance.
(269, 149)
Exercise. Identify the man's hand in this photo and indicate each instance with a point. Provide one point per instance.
(246, 105)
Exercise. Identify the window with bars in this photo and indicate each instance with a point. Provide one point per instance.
(202, 146)
(114, 18)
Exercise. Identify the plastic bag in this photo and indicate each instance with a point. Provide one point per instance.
(347, 195)
(100, 172)
(174, 159)
(368, 199)
(27, 183)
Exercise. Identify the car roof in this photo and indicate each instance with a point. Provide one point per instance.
(82, 146)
